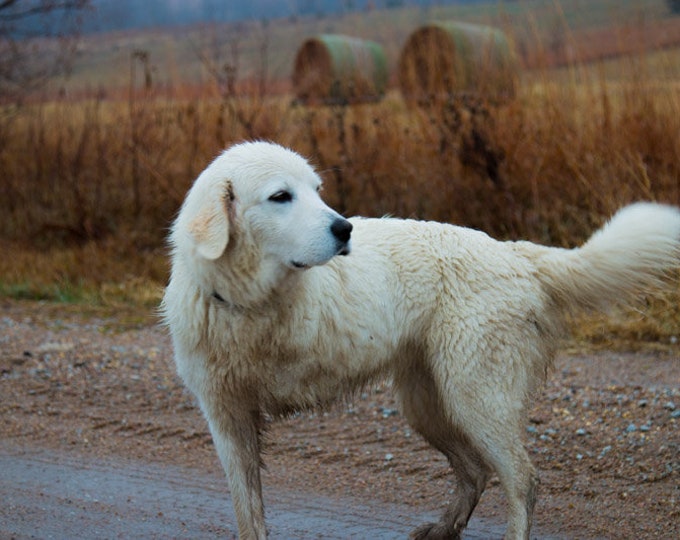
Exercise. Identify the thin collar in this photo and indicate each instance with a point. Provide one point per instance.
(225, 303)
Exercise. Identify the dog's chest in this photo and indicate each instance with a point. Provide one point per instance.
(311, 365)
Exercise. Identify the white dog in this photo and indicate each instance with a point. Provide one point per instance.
(267, 320)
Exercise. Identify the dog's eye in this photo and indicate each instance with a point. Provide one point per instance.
(281, 197)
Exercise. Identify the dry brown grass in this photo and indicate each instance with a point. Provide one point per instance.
(91, 186)
(548, 166)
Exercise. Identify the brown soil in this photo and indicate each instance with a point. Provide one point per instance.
(79, 387)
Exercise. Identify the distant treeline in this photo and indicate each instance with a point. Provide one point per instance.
(127, 14)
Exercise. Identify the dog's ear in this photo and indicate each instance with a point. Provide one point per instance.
(210, 227)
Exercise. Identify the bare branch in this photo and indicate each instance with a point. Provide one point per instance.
(42, 7)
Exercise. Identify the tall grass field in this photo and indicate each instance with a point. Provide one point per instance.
(94, 172)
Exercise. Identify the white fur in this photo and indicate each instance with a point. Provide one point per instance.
(265, 319)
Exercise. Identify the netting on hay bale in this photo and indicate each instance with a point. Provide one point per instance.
(445, 59)
(336, 69)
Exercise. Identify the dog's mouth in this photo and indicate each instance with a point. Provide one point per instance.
(342, 250)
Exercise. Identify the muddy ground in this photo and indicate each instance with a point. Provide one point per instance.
(99, 439)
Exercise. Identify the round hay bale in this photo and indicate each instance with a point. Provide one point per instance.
(336, 69)
(445, 59)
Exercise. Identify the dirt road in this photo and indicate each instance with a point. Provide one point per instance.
(46, 495)
(99, 439)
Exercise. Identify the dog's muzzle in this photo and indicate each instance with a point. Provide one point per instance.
(342, 231)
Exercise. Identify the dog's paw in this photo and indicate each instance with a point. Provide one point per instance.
(434, 531)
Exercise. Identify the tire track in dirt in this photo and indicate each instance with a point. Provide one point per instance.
(47, 495)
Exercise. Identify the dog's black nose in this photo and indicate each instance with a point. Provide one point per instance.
(341, 229)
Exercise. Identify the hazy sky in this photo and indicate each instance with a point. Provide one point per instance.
(110, 14)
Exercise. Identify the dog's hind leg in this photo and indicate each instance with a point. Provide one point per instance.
(504, 450)
(492, 424)
(423, 409)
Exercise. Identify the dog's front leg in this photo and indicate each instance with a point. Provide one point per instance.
(236, 435)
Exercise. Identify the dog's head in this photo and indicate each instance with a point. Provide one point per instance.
(262, 201)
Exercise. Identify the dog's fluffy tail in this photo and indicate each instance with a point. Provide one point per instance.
(634, 251)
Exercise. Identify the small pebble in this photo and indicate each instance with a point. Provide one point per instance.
(605, 451)
(386, 413)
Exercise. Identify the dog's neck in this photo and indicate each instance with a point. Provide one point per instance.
(219, 300)
(254, 303)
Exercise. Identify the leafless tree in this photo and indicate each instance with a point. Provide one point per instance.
(37, 41)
